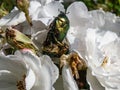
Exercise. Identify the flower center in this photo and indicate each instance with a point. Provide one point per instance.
(105, 61)
(21, 85)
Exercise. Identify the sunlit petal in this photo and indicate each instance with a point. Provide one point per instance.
(7, 80)
(12, 70)
(77, 13)
(54, 8)
(45, 71)
(6, 63)
(13, 18)
(98, 18)
(102, 58)
(68, 81)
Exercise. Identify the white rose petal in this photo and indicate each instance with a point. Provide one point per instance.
(77, 13)
(12, 70)
(45, 71)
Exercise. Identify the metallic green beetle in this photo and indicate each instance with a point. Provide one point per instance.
(57, 32)
(58, 29)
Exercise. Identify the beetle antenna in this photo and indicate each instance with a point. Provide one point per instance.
(60, 11)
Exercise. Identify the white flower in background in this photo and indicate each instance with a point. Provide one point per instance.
(77, 14)
(12, 71)
(84, 35)
(81, 20)
(104, 20)
(103, 57)
(41, 17)
(38, 9)
(88, 23)
(26, 71)
(69, 82)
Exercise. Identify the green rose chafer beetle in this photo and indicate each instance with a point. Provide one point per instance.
(53, 45)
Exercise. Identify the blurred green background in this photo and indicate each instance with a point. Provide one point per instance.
(108, 5)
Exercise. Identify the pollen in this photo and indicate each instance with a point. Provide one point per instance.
(21, 85)
(105, 61)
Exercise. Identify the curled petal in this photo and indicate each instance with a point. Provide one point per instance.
(44, 2)
(76, 38)
(51, 9)
(54, 8)
(7, 81)
(39, 38)
(102, 58)
(94, 83)
(45, 71)
(13, 64)
(34, 4)
(77, 13)
(16, 17)
(13, 18)
(30, 79)
(111, 23)
(94, 52)
(97, 18)
(104, 20)
(68, 81)
(38, 26)
(12, 71)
